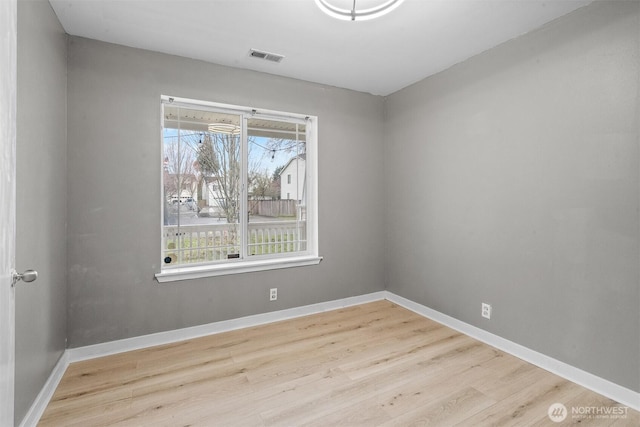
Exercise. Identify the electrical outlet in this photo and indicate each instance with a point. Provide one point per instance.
(273, 294)
(486, 310)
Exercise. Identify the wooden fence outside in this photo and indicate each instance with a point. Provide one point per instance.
(273, 208)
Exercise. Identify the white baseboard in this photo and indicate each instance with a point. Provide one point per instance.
(160, 338)
(599, 385)
(42, 400)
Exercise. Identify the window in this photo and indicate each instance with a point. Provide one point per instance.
(223, 208)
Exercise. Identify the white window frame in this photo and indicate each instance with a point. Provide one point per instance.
(261, 263)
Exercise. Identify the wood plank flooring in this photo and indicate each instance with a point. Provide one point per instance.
(375, 364)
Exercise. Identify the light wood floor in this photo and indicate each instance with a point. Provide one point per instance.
(373, 364)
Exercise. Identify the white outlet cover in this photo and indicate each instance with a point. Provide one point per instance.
(486, 310)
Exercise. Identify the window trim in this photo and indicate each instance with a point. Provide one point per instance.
(199, 272)
(309, 257)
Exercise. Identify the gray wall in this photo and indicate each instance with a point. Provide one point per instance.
(114, 194)
(41, 205)
(520, 188)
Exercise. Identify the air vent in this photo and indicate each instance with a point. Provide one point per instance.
(267, 56)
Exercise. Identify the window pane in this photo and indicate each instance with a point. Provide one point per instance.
(235, 187)
(276, 187)
(202, 182)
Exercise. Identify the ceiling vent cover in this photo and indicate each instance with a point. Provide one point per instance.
(267, 56)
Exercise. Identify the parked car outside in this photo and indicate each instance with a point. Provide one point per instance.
(191, 204)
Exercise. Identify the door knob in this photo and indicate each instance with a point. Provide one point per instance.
(27, 276)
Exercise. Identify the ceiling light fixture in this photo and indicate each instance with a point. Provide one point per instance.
(224, 128)
(357, 10)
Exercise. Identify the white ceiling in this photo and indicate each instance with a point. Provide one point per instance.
(420, 38)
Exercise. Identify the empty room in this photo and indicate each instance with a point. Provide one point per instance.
(320, 212)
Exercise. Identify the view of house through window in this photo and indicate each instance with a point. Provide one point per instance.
(234, 185)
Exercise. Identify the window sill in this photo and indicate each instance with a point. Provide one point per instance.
(186, 273)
